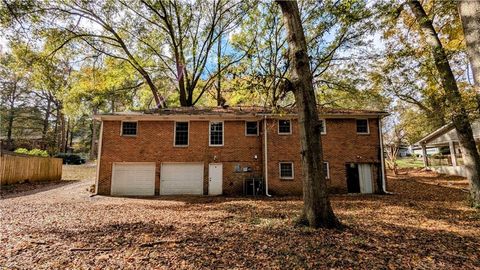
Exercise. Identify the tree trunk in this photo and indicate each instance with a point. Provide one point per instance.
(220, 101)
(470, 14)
(62, 132)
(55, 133)
(45, 121)
(70, 144)
(181, 82)
(67, 133)
(59, 129)
(317, 211)
(11, 117)
(454, 100)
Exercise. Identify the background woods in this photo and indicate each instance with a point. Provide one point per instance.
(67, 60)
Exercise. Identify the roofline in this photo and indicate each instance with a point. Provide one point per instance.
(435, 133)
(224, 116)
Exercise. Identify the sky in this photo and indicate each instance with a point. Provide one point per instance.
(3, 43)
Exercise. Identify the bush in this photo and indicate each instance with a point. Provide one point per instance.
(33, 152)
(38, 152)
(22, 151)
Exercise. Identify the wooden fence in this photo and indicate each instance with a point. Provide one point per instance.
(16, 168)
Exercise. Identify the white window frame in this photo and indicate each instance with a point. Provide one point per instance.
(121, 128)
(324, 131)
(258, 128)
(280, 170)
(210, 131)
(325, 163)
(175, 133)
(278, 127)
(368, 126)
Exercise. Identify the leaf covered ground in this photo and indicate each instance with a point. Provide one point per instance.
(425, 224)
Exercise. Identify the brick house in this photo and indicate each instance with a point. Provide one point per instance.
(212, 151)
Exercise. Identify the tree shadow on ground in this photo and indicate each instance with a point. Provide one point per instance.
(252, 246)
(27, 188)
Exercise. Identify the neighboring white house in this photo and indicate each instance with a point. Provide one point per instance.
(417, 150)
(446, 136)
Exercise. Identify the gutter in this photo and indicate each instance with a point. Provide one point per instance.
(382, 158)
(99, 156)
(265, 155)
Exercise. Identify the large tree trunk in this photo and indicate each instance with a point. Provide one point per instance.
(317, 211)
(181, 84)
(454, 99)
(469, 11)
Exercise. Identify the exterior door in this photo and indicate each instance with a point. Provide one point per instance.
(215, 179)
(181, 179)
(365, 172)
(133, 179)
(353, 178)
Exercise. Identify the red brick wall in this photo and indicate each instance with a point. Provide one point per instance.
(154, 143)
(341, 145)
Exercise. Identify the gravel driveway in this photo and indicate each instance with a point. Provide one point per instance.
(59, 226)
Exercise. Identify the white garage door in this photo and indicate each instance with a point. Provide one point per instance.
(136, 179)
(181, 179)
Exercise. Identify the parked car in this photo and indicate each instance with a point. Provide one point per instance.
(69, 158)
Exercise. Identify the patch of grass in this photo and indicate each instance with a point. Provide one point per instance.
(409, 162)
(79, 172)
(358, 240)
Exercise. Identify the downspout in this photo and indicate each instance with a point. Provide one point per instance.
(99, 155)
(382, 159)
(265, 154)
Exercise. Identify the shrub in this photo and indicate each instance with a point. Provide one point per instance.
(38, 152)
(22, 151)
(33, 152)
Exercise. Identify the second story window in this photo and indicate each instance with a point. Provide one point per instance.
(181, 133)
(251, 128)
(129, 128)
(216, 134)
(284, 127)
(362, 126)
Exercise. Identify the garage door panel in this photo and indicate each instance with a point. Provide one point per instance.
(181, 179)
(133, 179)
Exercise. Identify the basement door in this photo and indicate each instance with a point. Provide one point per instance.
(365, 172)
(215, 179)
(359, 178)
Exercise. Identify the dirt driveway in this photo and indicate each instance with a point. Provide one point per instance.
(424, 225)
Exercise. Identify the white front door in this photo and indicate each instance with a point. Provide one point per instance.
(215, 179)
(365, 175)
